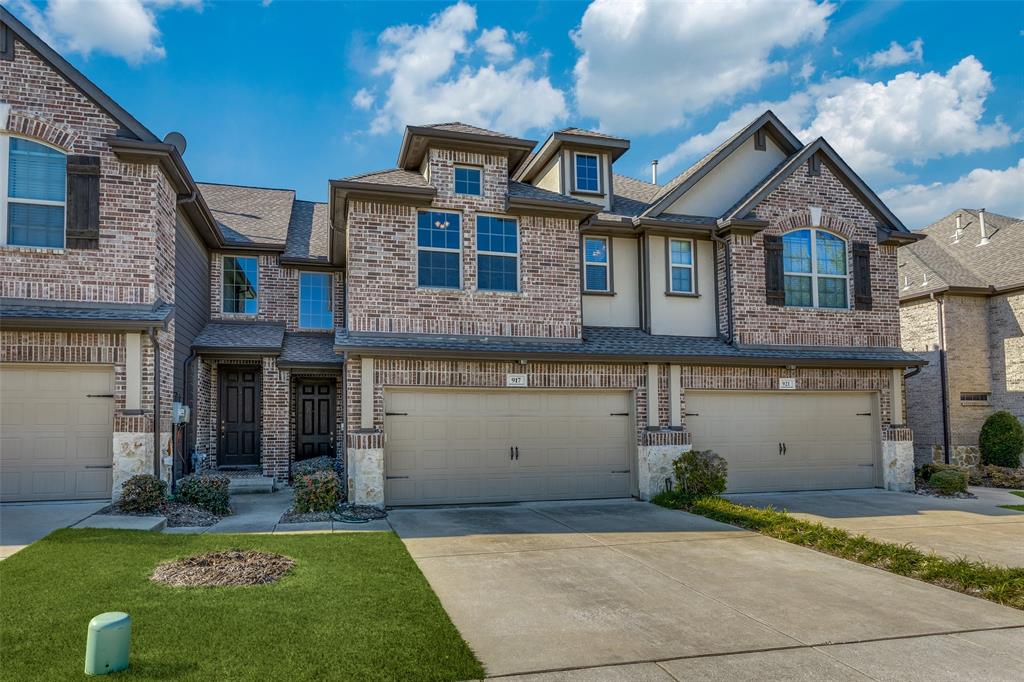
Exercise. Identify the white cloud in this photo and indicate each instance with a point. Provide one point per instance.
(806, 70)
(878, 126)
(645, 65)
(363, 99)
(895, 55)
(122, 28)
(1001, 191)
(437, 72)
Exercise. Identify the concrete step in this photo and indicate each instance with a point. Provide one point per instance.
(243, 485)
(123, 522)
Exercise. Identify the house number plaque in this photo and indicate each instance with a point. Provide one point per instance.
(516, 380)
(787, 384)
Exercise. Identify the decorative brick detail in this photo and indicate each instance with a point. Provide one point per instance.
(898, 434)
(365, 440)
(665, 437)
(29, 126)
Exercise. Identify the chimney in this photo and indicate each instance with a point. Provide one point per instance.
(981, 221)
(654, 172)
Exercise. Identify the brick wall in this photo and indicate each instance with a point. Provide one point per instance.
(919, 326)
(786, 209)
(967, 365)
(1006, 352)
(383, 294)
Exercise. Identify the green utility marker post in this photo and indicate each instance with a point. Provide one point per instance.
(106, 649)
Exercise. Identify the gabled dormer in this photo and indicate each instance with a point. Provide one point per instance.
(576, 163)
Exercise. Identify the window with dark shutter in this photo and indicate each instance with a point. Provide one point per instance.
(6, 43)
(83, 226)
(774, 290)
(861, 276)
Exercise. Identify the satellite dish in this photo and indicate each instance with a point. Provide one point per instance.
(176, 140)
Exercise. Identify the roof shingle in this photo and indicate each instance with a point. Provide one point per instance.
(250, 215)
(309, 349)
(241, 336)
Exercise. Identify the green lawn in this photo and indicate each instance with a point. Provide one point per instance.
(355, 607)
(1015, 507)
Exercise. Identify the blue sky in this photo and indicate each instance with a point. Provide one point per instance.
(923, 99)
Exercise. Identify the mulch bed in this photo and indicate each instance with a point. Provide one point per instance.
(178, 514)
(924, 489)
(223, 569)
(348, 513)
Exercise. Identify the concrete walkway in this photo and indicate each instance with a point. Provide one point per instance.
(579, 586)
(261, 513)
(22, 523)
(976, 529)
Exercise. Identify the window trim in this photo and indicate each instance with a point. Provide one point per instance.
(440, 249)
(330, 298)
(610, 291)
(576, 189)
(692, 267)
(223, 269)
(465, 166)
(6, 200)
(813, 274)
(503, 254)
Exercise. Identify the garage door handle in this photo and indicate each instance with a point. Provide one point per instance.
(618, 414)
(511, 453)
(693, 414)
(99, 395)
(99, 466)
(863, 414)
(783, 448)
(390, 478)
(620, 471)
(396, 414)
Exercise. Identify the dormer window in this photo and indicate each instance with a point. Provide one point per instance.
(468, 181)
(587, 176)
(33, 193)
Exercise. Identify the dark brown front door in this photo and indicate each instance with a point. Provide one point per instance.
(314, 418)
(240, 407)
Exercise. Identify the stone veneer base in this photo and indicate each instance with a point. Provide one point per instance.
(133, 455)
(654, 467)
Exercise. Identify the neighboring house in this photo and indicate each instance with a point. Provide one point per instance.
(488, 321)
(962, 308)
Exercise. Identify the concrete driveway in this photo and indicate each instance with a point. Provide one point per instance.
(572, 586)
(976, 529)
(22, 523)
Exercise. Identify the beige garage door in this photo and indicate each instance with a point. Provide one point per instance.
(55, 432)
(454, 447)
(788, 441)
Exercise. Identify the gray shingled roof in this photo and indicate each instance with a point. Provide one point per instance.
(627, 342)
(459, 127)
(309, 349)
(19, 309)
(395, 177)
(947, 262)
(241, 336)
(308, 232)
(250, 215)
(582, 132)
(527, 191)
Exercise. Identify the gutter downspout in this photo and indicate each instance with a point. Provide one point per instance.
(156, 401)
(943, 374)
(186, 457)
(728, 286)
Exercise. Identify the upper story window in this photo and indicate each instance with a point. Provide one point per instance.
(241, 285)
(34, 188)
(467, 181)
(315, 305)
(587, 173)
(497, 245)
(814, 269)
(438, 249)
(680, 266)
(596, 262)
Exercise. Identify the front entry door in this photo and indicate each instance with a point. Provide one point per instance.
(240, 407)
(314, 417)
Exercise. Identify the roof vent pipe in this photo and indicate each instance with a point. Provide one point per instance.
(959, 229)
(981, 221)
(654, 172)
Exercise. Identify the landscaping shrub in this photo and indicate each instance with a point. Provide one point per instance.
(932, 468)
(949, 481)
(142, 494)
(998, 477)
(311, 466)
(208, 491)
(700, 473)
(319, 491)
(1002, 440)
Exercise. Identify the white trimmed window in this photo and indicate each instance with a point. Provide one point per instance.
(587, 172)
(33, 193)
(439, 250)
(680, 266)
(814, 269)
(596, 265)
(497, 248)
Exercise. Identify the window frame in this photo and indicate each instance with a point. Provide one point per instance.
(223, 299)
(692, 267)
(330, 298)
(576, 175)
(462, 166)
(458, 251)
(813, 274)
(6, 200)
(502, 254)
(610, 291)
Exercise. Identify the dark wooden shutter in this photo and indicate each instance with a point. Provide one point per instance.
(774, 286)
(6, 43)
(83, 202)
(861, 276)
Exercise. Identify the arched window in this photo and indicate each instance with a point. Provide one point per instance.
(814, 266)
(33, 185)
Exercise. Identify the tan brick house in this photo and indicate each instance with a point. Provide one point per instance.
(490, 320)
(962, 308)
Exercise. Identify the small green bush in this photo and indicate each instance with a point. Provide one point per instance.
(949, 481)
(700, 473)
(310, 466)
(319, 491)
(1002, 440)
(998, 477)
(932, 468)
(142, 494)
(208, 491)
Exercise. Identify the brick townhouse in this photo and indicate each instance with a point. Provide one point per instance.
(489, 320)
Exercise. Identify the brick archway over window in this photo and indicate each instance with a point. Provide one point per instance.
(801, 219)
(28, 126)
